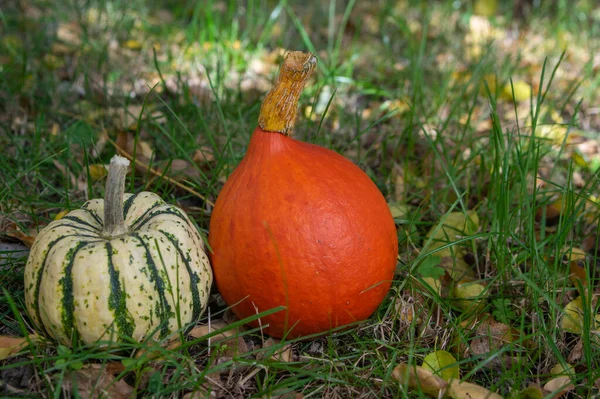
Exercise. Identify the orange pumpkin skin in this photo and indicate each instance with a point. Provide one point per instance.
(300, 226)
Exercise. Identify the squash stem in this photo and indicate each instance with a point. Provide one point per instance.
(114, 224)
(280, 108)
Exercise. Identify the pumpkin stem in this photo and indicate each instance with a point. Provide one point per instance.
(280, 107)
(114, 224)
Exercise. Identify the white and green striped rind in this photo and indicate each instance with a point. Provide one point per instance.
(148, 281)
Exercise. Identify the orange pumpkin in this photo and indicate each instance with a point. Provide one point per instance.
(300, 226)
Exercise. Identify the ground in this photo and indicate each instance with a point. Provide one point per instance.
(478, 121)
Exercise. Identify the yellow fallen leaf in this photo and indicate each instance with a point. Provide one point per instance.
(133, 44)
(559, 370)
(485, 8)
(466, 390)
(532, 392)
(453, 227)
(522, 91)
(416, 377)
(61, 214)
(443, 364)
(557, 134)
(398, 210)
(469, 297)
(97, 172)
(573, 318)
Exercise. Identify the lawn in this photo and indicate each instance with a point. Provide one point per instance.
(477, 120)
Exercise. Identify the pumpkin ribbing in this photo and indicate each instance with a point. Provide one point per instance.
(86, 281)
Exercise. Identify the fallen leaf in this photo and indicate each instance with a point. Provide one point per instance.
(97, 171)
(484, 335)
(576, 353)
(203, 155)
(228, 340)
(457, 268)
(61, 214)
(442, 364)
(522, 91)
(12, 345)
(69, 33)
(573, 317)
(179, 170)
(133, 44)
(559, 386)
(200, 394)
(416, 377)
(466, 390)
(26, 237)
(281, 354)
(398, 210)
(485, 8)
(454, 226)
(532, 392)
(93, 381)
(143, 150)
(469, 297)
(77, 182)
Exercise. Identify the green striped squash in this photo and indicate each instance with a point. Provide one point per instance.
(149, 276)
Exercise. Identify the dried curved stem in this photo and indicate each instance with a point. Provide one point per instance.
(280, 108)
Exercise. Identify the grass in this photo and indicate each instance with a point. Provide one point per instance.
(408, 91)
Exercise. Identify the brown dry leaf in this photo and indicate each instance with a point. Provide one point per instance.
(200, 394)
(143, 153)
(559, 386)
(69, 33)
(179, 170)
(550, 213)
(26, 237)
(466, 390)
(282, 354)
(203, 155)
(12, 345)
(489, 335)
(229, 341)
(416, 377)
(576, 353)
(78, 182)
(94, 381)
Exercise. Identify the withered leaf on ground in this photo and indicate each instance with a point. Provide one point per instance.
(442, 364)
(466, 390)
(559, 386)
(282, 353)
(486, 335)
(229, 341)
(94, 382)
(12, 345)
(416, 377)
